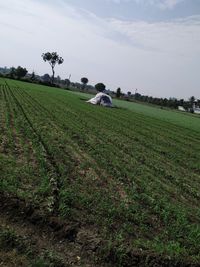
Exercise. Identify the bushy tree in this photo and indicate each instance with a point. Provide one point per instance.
(84, 81)
(53, 59)
(46, 78)
(20, 72)
(100, 87)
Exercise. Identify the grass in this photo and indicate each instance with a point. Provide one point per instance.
(133, 172)
(183, 119)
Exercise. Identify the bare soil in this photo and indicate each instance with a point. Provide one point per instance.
(76, 245)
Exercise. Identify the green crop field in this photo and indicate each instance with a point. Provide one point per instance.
(129, 175)
(186, 120)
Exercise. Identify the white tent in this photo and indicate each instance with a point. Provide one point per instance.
(101, 99)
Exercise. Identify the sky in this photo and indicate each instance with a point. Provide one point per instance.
(149, 45)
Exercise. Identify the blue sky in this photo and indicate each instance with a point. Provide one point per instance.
(142, 9)
(151, 45)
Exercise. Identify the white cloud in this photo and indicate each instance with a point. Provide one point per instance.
(180, 37)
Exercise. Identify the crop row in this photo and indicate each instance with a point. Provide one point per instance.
(137, 150)
(138, 173)
(75, 130)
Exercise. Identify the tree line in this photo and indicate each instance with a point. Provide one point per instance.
(54, 59)
(165, 102)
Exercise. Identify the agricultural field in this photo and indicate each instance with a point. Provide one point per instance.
(184, 119)
(83, 185)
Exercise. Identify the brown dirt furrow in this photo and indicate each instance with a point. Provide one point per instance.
(75, 244)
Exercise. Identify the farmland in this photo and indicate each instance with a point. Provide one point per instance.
(183, 119)
(117, 186)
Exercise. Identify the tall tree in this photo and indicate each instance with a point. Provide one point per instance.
(100, 87)
(53, 59)
(33, 76)
(84, 81)
(192, 99)
(118, 93)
